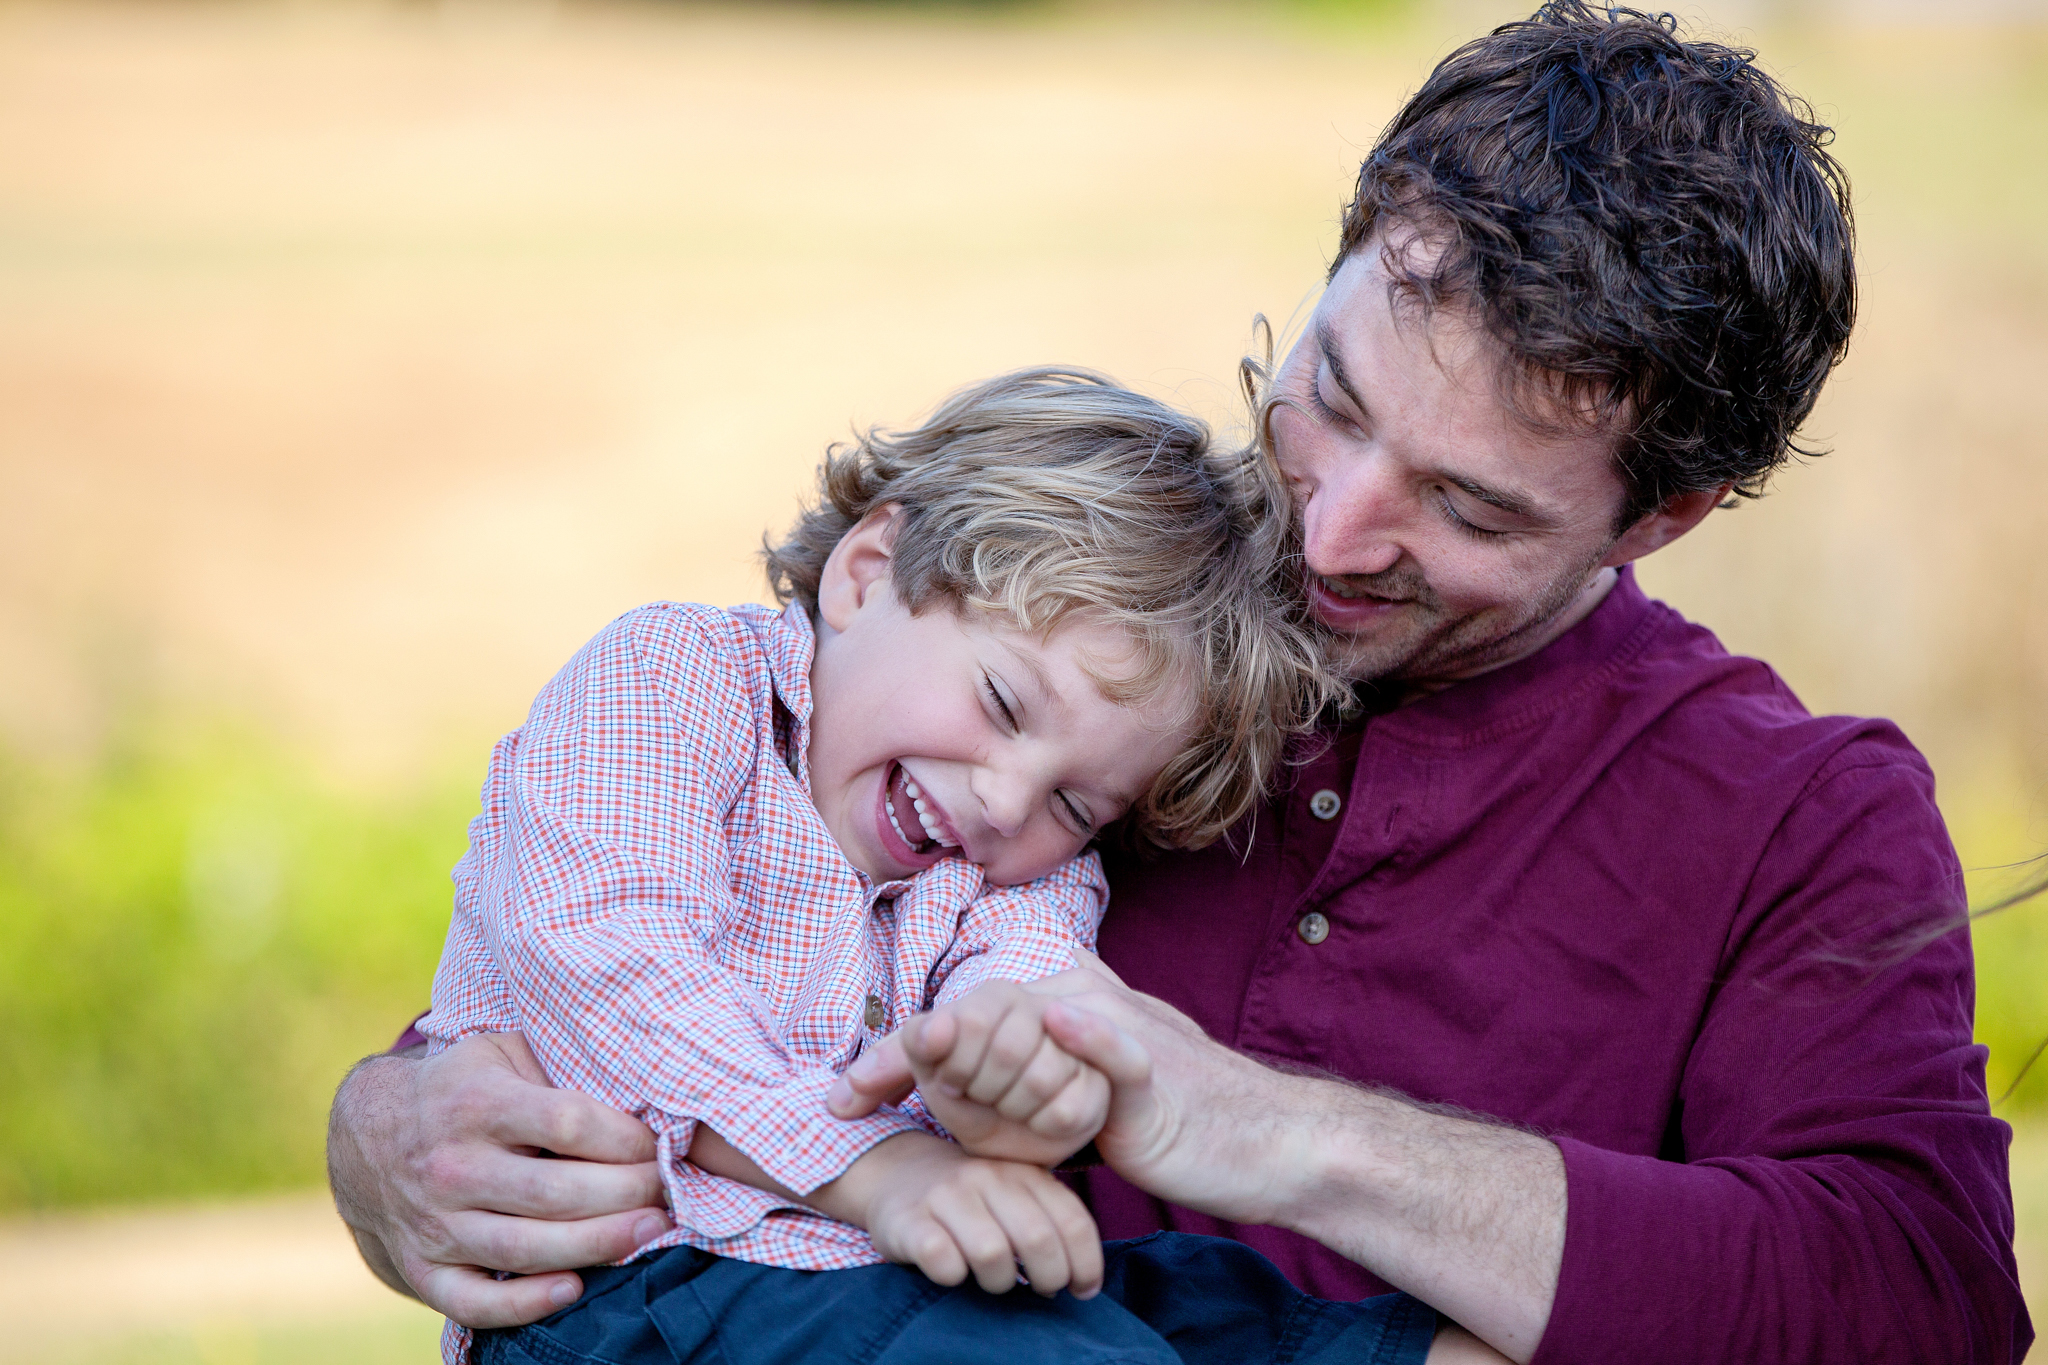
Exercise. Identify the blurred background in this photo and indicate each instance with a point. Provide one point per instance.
(359, 360)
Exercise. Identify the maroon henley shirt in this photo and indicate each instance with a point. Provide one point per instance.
(1628, 892)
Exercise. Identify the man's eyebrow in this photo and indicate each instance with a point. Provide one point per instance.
(1326, 342)
(1513, 504)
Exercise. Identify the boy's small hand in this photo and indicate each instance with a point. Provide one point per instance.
(929, 1204)
(1003, 1088)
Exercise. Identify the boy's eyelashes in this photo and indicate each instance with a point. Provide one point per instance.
(995, 695)
(1074, 811)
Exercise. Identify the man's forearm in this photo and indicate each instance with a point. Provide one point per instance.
(349, 1174)
(1466, 1215)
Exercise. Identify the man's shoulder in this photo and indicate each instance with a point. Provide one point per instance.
(1692, 699)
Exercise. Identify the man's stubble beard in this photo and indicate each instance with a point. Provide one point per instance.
(1441, 648)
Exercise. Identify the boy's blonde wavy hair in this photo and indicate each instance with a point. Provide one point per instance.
(1051, 492)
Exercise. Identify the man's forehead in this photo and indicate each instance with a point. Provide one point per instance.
(1461, 404)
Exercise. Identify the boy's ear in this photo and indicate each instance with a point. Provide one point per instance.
(857, 563)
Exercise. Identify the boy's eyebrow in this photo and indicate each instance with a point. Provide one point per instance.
(1034, 670)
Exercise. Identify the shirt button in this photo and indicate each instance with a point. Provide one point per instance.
(875, 1017)
(1325, 804)
(1313, 927)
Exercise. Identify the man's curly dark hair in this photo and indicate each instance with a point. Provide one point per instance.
(1651, 229)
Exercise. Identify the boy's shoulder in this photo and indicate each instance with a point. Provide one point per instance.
(691, 646)
(748, 631)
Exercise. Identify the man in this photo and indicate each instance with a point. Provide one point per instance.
(1588, 989)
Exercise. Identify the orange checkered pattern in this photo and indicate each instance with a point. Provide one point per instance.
(651, 898)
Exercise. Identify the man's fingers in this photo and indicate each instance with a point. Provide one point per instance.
(1096, 1041)
(536, 1187)
(881, 1076)
(531, 1245)
(474, 1298)
(566, 1123)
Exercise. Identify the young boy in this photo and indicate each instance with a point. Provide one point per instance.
(731, 850)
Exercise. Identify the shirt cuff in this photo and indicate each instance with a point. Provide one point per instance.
(1616, 1287)
(795, 1140)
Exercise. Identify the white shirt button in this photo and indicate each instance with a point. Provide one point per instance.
(1313, 927)
(1325, 804)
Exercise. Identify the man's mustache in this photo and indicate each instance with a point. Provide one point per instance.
(1401, 583)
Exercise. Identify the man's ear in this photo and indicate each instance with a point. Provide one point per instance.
(1664, 525)
(857, 563)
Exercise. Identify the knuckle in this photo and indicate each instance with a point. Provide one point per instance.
(442, 1171)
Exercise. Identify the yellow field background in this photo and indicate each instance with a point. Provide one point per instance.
(358, 361)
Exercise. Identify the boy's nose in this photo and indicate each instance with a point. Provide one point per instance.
(1005, 803)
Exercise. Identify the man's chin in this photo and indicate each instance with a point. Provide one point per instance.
(1371, 656)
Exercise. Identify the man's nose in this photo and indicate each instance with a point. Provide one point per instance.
(1350, 516)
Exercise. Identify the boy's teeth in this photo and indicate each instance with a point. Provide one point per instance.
(911, 787)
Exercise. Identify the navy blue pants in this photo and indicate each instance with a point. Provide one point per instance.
(1169, 1298)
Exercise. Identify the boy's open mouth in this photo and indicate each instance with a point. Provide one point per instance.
(909, 811)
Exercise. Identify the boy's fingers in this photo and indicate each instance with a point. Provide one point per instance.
(1035, 1240)
(979, 1236)
(1049, 1072)
(938, 1255)
(881, 1076)
(954, 1068)
(1012, 1046)
(1078, 1111)
(1080, 1239)
(927, 1038)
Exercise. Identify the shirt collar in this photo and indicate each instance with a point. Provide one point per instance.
(791, 644)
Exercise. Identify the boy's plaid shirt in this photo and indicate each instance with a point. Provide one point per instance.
(651, 898)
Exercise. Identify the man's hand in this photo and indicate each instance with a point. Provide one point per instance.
(989, 1072)
(436, 1167)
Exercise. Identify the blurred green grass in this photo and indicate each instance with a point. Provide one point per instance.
(197, 938)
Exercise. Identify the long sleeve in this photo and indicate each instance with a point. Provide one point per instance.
(1023, 933)
(598, 897)
(1837, 1187)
